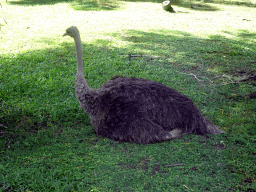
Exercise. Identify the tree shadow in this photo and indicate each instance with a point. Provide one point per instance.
(94, 6)
(197, 6)
(35, 2)
(50, 77)
(200, 2)
(171, 50)
(215, 52)
(80, 5)
(108, 5)
(232, 2)
(201, 5)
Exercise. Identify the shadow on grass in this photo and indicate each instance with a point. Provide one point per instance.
(48, 96)
(177, 50)
(108, 5)
(81, 5)
(92, 5)
(197, 6)
(246, 3)
(217, 52)
(35, 2)
(201, 3)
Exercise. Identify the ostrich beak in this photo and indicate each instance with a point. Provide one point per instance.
(65, 34)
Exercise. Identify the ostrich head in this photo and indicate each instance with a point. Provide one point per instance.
(72, 32)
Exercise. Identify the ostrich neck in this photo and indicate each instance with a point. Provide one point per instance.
(85, 95)
(79, 55)
(80, 80)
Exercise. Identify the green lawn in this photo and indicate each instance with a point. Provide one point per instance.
(47, 142)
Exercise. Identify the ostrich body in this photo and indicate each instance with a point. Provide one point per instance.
(135, 109)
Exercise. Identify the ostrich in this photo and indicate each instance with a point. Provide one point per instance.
(137, 110)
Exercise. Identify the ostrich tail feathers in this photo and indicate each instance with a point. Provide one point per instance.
(211, 128)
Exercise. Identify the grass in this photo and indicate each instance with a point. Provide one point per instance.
(46, 140)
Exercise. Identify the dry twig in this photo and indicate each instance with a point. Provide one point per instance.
(130, 56)
(190, 74)
(1, 125)
(252, 77)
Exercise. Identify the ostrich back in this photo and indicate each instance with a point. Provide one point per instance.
(143, 111)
